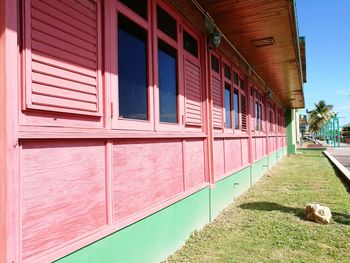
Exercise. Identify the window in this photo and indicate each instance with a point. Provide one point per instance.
(228, 106)
(257, 116)
(190, 44)
(132, 65)
(236, 108)
(271, 120)
(215, 64)
(166, 23)
(167, 70)
(241, 84)
(139, 6)
(235, 78)
(227, 72)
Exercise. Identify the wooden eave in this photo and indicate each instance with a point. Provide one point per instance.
(246, 22)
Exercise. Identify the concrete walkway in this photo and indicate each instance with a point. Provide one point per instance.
(340, 157)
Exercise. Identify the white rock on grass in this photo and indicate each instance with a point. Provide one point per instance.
(318, 213)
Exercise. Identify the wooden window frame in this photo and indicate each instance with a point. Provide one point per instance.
(229, 82)
(176, 44)
(125, 123)
(197, 61)
(241, 92)
(217, 76)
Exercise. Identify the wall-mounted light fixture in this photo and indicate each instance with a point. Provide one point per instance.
(215, 35)
(269, 94)
(216, 38)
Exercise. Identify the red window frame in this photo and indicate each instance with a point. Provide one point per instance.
(241, 93)
(196, 61)
(124, 123)
(228, 81)
(176, 44)
(218, 77)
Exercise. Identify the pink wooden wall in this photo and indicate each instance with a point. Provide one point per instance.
(79, 173)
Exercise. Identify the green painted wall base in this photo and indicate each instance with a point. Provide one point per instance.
(292, 149)
(227, 189)
(155, 237)
(152, 239)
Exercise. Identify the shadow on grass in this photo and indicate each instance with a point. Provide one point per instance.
(341, 177)
(340, 218)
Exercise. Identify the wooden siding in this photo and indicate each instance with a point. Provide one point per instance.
(145, 173)
(219, 159)
(194, 164)
(62, 192)
(63, 60)
(91, 176)
(233, 157)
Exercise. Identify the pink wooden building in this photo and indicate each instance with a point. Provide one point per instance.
(126, 125)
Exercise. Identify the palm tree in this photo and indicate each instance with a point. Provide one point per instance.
(319, 116)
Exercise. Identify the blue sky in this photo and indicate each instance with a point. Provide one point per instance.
(326, 27)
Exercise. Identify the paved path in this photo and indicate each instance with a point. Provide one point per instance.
(341, 154)
(340, 157)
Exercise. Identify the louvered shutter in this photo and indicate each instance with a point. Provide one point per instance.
(217, 101)
(63, 68)
(193, 93)
(244, 112)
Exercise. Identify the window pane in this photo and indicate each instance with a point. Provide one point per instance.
(241, 84)
(257, 116)
(236, 106)
(139, 6)
(132, 70)
(261, 118)
(228, 106)
(235, 78)
(190, 44)
(166, 23)
(167, 68)
(227, 71)
(214, 63)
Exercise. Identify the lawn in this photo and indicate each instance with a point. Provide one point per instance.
(267, 224)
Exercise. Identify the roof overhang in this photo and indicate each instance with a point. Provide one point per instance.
(266, 34)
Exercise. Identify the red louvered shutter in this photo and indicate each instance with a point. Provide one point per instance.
(217, 101)
(63, 63)
(244, 112)
(193, 93)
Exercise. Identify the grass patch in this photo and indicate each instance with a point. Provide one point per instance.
(268, 224)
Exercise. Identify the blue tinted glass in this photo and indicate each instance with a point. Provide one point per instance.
(236, 105)
(228, 105)
(166, 23)
(167, 64)
(132, 70)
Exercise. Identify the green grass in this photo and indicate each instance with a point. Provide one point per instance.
(268, 223)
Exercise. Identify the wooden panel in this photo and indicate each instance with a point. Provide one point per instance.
(217, 102)
(193, 93)
(62, 192)
(145, 173)
(245, 152)
(219, 161)
(260, 147)
(63, 57)
(233, 154)
(272, 144)
(194, 163)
